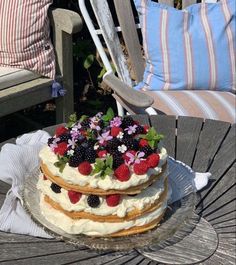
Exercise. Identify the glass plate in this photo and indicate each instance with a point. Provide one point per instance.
(179, 214)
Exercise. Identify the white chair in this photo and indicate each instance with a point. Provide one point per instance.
(129, 62)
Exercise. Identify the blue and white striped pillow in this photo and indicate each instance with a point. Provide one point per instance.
(188, 49)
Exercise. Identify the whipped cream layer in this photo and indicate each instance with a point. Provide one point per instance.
(127, 203)
(92, 228)
(72, 175)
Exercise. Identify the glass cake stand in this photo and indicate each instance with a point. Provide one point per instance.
(179, 215)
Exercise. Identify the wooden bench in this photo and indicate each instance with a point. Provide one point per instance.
(64, 24)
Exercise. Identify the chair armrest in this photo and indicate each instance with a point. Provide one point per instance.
(133, 97)
(66, 20)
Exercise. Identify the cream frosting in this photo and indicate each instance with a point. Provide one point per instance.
(72, 175)
(92, 228)
(127, 203)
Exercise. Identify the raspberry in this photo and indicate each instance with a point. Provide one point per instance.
(85, 168)
(143, 142)
(122, 173)
(61, 149)
(140, 168)
(93, 201)
(56, 188)
(146, 128)
(102, 153)
(61, 130)
(74, 196)
(113, 200)
(153, 160)
(115, 131)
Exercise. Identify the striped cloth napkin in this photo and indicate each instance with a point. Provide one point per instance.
(17, 161)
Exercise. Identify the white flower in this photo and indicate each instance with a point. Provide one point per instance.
(70, 152)
(122, 148)
(96, 146)
(120, 135)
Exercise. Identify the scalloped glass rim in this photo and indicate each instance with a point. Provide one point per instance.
(178, 215)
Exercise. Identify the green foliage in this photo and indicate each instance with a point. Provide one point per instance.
(152, 137)
(61, 163)
(72, 120)
(103, 167)
(108, 116)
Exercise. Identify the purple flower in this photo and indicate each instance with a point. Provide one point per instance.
(75, 131)
(134, 158)
(104, 137)
(115, 122)
(131, 129)
(71, 143)
(53, 145)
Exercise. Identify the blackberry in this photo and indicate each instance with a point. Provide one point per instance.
(139, 129)
(75, 160)
(112, 145)
(64, 137)
(88, 144)
(93, 201)
(127, 121)
(79, 151)
(131, 144)
(85, 124)
(147, 150)
(56, 188)
(101, 123)
(117, 161)
(50, 140)
(90, 155)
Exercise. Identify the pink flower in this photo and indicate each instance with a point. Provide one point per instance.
(115, 122)
(104, 137)
(134, 158)
(131, 129)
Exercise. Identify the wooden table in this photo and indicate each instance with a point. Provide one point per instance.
(205, 146)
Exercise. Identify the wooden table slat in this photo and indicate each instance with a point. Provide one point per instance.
(166, 125)
(208, 145)
(220, 202)
(219, 187)
(142, 119)
(187, 138)
(210, 140)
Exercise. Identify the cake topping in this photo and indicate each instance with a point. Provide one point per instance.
(113, 200)
(85, 168)
(122, 173)
(93, 201)
(74, 196)
(56, 188)
(111, 146)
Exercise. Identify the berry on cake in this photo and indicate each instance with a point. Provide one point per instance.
(104, 176)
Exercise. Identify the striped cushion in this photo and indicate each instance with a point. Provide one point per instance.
(216, 105)
(24, 36)
(188, 49)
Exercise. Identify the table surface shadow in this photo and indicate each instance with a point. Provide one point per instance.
(206, 146)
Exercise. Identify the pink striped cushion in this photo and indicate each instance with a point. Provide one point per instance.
(24, 36)
(216, 105)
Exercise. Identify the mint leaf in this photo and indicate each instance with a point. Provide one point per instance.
(72, 120)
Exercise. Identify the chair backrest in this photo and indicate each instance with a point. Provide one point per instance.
(130, 49)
